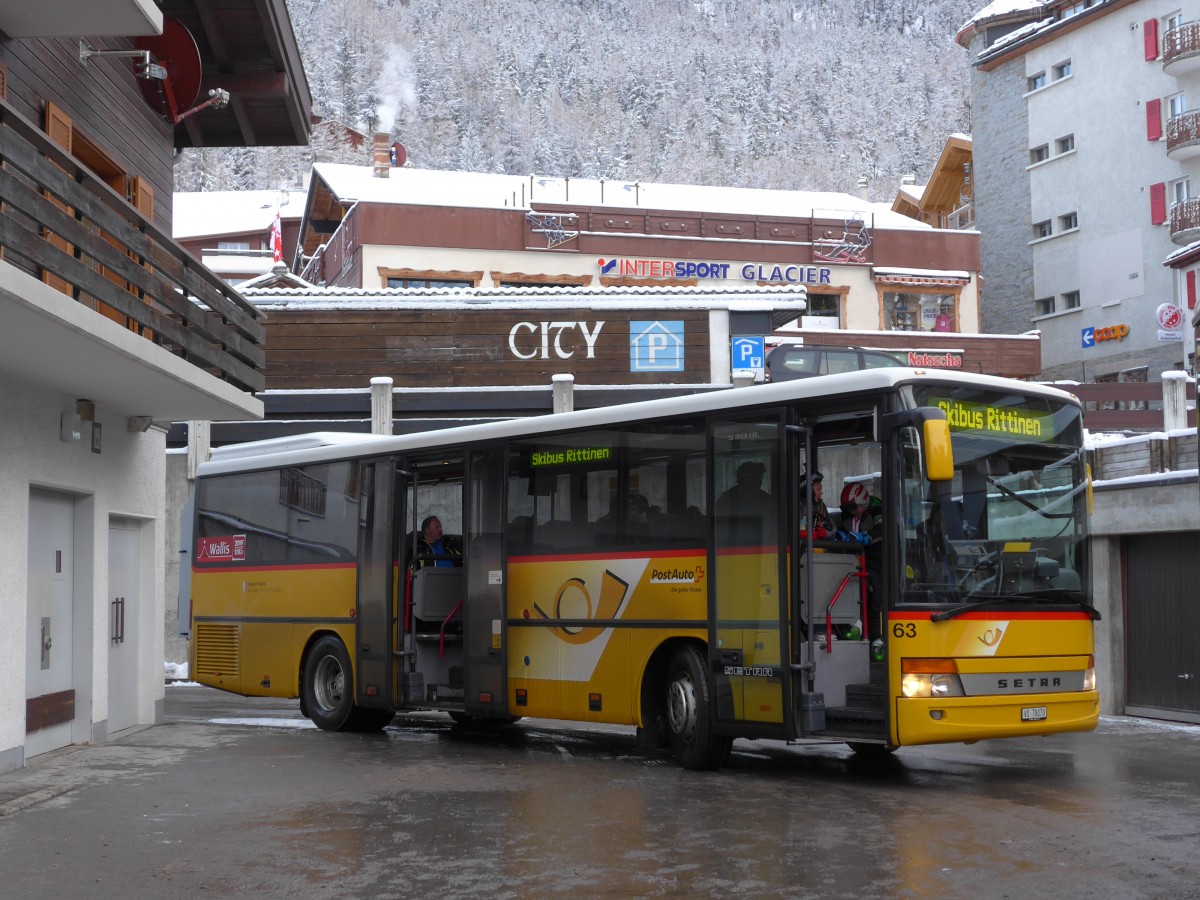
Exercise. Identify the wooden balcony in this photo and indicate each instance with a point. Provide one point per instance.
(1185, 221)
(1181, 49)
(61, 224)
(1183, 135)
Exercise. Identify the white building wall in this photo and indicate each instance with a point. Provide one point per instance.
(1115, 258)
(127, 478)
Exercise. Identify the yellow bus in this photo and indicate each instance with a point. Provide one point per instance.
(651, 565)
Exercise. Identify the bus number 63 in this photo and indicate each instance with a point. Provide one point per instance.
(904, 630)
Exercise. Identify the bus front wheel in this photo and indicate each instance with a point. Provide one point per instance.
(329, 685)
(688, 714)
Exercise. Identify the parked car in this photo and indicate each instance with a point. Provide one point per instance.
(790, 361)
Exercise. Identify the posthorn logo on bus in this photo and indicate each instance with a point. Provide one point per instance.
(227, 548)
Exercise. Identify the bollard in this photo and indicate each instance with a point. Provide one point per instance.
(1174, 386)
(563, 393)
(381, 405)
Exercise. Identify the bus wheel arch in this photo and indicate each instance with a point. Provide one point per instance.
(688, 711)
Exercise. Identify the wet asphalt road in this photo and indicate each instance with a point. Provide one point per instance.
(234, 797)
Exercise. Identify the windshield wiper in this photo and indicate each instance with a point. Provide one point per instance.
(1037, 509)
(1045, 594)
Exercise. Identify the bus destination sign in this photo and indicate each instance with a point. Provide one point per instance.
(1008, 421)
(569, 456)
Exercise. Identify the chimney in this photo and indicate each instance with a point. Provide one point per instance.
(381, 154)
(862, 188)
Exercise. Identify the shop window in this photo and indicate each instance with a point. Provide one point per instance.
(919, 312)
(825, 306)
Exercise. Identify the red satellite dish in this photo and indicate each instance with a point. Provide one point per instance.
(399, 154)
(175, 52)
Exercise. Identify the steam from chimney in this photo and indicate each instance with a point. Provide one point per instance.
(396, 88)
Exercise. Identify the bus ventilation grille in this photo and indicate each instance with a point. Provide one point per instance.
(218, 650)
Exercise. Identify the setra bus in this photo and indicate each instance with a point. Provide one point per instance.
(650, 565)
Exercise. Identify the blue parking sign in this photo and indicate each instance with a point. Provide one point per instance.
(747, 355)
(656, 346)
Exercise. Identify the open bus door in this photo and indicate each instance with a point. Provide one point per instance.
(374, 686)
(747, 601)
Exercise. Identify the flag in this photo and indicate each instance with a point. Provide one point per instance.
(277, 238)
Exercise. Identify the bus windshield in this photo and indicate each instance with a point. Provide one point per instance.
(1012, 524)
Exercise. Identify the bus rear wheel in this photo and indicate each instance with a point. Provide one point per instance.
(329, 685)
(689, 715)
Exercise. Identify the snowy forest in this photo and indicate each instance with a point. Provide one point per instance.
(788, 94)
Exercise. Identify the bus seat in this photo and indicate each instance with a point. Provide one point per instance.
(436, 591)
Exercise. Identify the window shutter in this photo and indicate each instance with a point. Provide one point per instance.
(1150, 36)
(1191, 289)
(1158, 203)
(1154, 119)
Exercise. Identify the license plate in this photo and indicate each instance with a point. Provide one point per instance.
(1033, 714)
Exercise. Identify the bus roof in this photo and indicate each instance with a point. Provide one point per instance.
(327, 446)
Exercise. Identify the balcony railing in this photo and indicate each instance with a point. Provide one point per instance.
(1181, 49)
(1185, 221)
(59, 222)
(333, 259)
(1183, 135)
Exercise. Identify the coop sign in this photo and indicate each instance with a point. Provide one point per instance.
(1006, 421)
(554, 340)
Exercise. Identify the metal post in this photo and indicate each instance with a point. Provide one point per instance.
(563, 393)
(381, 405)
(199, 446)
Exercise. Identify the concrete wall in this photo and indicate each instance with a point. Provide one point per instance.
(126, 479)
(1000, 125)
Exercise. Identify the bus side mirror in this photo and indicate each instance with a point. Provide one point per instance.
(939, 456)
(935, 434)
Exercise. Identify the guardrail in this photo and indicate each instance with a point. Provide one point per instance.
(62, 223)
(1136, 406)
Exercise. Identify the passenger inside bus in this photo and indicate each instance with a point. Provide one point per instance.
(819, 519)
(435, 547)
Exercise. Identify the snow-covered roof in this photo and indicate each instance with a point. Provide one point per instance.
(999, 9)
(211, 213)
(742, 298)
(479, 190)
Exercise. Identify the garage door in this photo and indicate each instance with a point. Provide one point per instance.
(1162, 619)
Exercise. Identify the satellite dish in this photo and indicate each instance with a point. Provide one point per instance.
(173, 82)
(399, 154)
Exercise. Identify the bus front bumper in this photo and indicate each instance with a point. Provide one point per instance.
(968, 719)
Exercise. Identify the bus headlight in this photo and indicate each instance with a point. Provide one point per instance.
(930, 678)
(1089, 675)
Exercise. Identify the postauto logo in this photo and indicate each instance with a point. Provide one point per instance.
(1092, 336)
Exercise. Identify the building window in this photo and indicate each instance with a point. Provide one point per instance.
(1070, 300)
(826, 306)
(1041, 230)
(1069, 221)
(913, 311)
(1180, 190)
(427, 283)
(1039, 154)
(1035, 82)
(1176, 105)
(1043, 307)
(1062, 70)
(1073, 9)
(1065, 144)
(232, 246)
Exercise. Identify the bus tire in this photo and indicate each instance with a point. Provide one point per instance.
(688, 714)
(329, 685)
